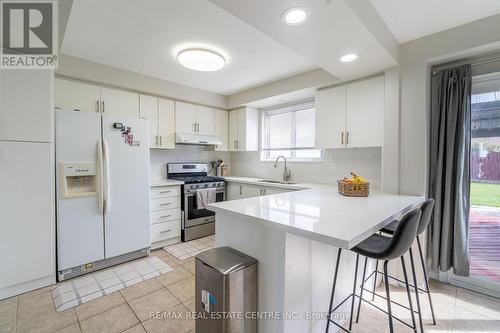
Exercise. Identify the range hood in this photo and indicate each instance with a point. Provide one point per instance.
(196, 139)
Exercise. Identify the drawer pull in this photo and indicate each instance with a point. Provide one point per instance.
(163, 192)
(164, 216)
(166, 231)
(165, 204)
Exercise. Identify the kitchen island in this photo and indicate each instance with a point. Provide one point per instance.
(295, 237)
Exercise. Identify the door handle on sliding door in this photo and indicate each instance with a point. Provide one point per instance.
(100, 175)
(107, 184)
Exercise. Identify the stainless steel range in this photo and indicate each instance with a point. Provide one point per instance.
(196, 222)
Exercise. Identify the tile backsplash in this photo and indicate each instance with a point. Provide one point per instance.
(182, 153)
(336, 164)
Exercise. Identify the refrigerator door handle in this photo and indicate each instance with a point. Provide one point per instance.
(107, 184)
(100, 175)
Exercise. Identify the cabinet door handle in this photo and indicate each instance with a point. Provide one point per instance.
(241, 190)
(165, 231)
(342, 138)
(165, 204)
(234, 144)
(160, 140)
(264, 191)
(163, 192)
(197, 127)
(103, 107)
(156, 140)
(347, 138)
(194, 127)
(97, 106)
(165, 216)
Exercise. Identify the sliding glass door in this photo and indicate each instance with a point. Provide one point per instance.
(484, 219)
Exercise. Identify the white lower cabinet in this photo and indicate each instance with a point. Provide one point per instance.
(236, 191)
(166, 216)
(163, 231)
(27, 237)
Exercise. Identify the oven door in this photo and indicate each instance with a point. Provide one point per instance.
(194, 216)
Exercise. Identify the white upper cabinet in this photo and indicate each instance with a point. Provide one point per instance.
(330, 117)
(232, 130)
(221, 129)
(26, 105)
(166, 123)
(351, 116)
(119, 103)
(365, 113)
(194, 119)
(148, 106)
(73, 95)
(205, 118)
(185, 118)
(78, 96)
(161, 116)
(244, 129)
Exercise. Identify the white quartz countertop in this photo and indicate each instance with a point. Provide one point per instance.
(321, 213)
(165, 182)
(256, 181)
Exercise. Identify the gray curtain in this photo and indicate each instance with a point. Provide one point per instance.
(449, 174)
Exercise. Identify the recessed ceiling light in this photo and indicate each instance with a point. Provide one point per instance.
(201, 59)
(295, 15)
(349, 57)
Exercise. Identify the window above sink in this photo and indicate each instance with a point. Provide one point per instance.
(290, 131)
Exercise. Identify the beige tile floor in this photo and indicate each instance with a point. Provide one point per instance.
(129, 309)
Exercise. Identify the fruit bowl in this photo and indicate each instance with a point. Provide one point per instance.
(355, 186)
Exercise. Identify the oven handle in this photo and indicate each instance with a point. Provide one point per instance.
(193, 192)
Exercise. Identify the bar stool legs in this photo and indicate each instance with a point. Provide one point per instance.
(388, 297)
(362, 287)
(374, 281)
(426, 280)
(328, 317)
(416, 291)
(409, 295)
(354, 291)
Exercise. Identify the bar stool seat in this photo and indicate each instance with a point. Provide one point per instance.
(380, 248)
(390, 228)
(374, 247)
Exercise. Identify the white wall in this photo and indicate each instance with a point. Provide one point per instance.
(85, 70)
(336, 164)
(182, 154)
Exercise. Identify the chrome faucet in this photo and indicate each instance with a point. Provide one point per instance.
(286, 173)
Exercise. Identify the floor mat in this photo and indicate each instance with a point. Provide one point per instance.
(189, 249)
(86, 288)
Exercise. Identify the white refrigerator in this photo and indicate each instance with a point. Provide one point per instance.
(102, 171)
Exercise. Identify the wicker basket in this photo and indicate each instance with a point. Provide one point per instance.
(354, 189)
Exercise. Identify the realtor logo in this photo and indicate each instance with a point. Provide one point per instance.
(29, 34)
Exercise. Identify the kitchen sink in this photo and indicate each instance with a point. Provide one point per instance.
(275, 181)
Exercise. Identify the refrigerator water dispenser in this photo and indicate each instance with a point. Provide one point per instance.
(78, 179)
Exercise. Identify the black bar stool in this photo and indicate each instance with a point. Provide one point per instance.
(426, 208)
(381, 248)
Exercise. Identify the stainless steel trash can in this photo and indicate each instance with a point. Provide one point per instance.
(226, 292)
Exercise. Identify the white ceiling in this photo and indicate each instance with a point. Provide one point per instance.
(412, 19)
(144, 39)
(332, 30)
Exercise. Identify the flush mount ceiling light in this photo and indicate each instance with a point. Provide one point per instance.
(349, 57)
(201, 59)
(295, 16)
